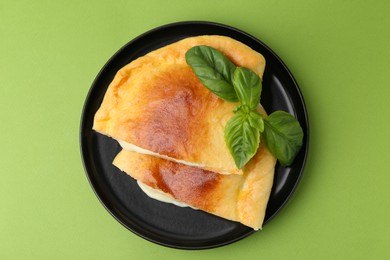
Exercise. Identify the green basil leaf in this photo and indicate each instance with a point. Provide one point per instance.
(247, 85)
(214, 70)
(256, 120)
(242, 136)
(283, 136)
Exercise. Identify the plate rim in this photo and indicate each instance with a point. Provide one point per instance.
(200, 23)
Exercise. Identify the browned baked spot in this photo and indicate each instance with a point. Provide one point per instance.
(191, 185)
(175, 112)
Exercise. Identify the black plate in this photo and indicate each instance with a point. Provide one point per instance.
(163, 223)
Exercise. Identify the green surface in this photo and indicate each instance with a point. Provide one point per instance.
(51, 52)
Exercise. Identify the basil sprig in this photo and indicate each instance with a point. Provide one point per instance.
(281, 132)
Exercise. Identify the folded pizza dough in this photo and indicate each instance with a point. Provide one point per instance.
(158, 106)
(242, 198)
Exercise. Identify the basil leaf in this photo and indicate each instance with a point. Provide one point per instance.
(214, 70)
(242, 136)
(283, 136)
(247, 85)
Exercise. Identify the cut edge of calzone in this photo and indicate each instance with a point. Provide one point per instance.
(241, 198)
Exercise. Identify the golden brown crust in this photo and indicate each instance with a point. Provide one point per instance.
(241, 198)
(157, 103)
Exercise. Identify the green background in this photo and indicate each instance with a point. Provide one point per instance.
(50, 53)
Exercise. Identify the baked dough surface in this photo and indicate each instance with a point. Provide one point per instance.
(157, 103)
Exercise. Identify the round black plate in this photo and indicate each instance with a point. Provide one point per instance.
(163, 223)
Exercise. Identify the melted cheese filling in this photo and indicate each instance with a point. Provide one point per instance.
(159, 195)
(131, 147)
